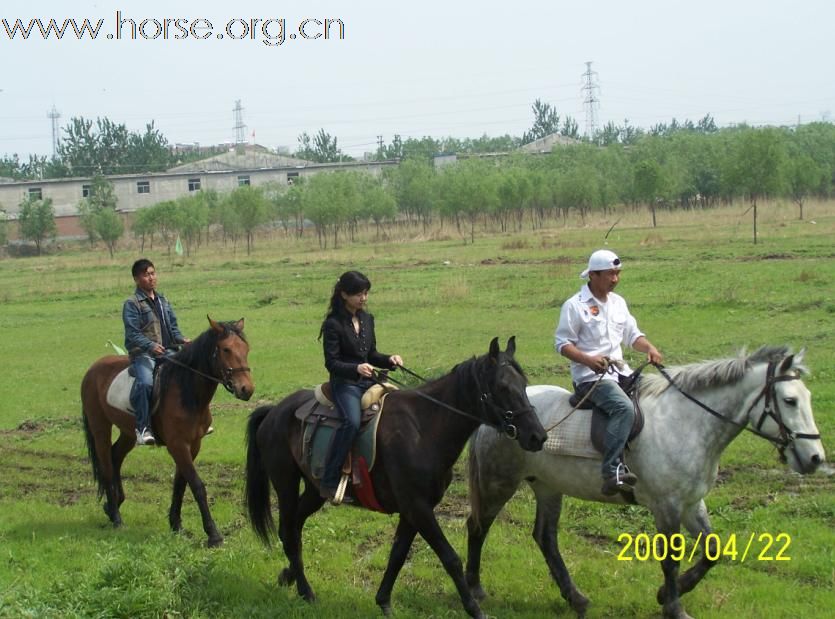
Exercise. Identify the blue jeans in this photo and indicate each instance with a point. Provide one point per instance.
(142, 368)
(616, 405)
(347, 397)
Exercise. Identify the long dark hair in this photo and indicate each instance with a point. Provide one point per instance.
(350, 282)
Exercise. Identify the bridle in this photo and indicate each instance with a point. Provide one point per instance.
(786, 437)
(491, 413)
(226, 373)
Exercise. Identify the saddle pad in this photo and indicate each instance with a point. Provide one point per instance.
(316, 438)
(572, 437)
(118, 394)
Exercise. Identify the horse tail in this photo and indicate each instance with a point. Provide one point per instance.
(257, 493)
(474, 482)
(91, 453)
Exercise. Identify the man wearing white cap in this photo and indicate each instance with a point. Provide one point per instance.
(593, 324)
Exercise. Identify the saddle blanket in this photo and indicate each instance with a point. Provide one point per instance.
(118, 394)
(572, 437)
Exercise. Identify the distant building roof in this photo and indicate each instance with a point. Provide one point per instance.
(248, 157)
(546, 144)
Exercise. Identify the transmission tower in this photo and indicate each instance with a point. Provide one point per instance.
(54, 115)
(240, 127)
(591, 100)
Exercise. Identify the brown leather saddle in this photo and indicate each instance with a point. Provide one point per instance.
(599, 419)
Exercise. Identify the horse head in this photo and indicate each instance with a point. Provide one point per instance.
(231, 358)
(504, 399)
(782, 411)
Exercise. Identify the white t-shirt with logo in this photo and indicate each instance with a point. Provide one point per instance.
(595, 328)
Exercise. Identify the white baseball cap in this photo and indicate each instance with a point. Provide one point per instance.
(602, 260)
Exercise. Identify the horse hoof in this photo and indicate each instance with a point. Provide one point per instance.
(386, 608)
(579, 603)
(478, 592)
(214, 542)
(286, 577)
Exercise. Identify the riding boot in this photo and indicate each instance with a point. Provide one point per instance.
(140, 399)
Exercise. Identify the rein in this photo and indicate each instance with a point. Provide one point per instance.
(226, 373)
(768, 393)
(505, 423)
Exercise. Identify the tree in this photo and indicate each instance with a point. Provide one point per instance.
(110, 227)
(322, 148)
(36, 220)
(804, 176)
(545, 122)
(648, 184)
(251, 210)
(756, 164)
(413, 187)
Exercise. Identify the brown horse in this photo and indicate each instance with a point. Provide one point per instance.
(188, 381)
(419, 438)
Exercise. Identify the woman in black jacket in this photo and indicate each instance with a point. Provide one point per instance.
(350, 357)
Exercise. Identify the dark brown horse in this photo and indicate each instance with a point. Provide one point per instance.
(188, 382)
(420, 436)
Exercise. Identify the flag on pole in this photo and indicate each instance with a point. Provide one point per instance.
(178, 247)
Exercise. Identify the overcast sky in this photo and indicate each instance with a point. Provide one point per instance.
(438, 68)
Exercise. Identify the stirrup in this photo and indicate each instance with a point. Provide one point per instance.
(339, 495)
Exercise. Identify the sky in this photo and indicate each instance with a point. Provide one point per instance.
(436, 68)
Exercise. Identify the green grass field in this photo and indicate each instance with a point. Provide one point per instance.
(698, 286)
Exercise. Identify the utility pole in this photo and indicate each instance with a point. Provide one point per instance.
(591, 100)
(380, 146)
(54, 115)
(240, 127)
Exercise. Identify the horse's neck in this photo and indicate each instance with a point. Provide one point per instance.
(711, 433)
(454, 426)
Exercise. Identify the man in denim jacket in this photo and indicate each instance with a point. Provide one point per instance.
(151, 332)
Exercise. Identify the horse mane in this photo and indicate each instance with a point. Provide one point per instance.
(198, 356)
(709, 374)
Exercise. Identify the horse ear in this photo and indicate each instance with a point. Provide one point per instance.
(215, 325)
(494, 348)
(239, 326)
(787, 364)
(511, 346)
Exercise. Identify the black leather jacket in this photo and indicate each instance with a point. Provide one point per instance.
(345, 350)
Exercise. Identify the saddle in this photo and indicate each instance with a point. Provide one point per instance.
(599, 419)
(320, 419)
(118, 393)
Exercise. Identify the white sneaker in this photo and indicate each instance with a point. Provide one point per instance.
(209, 430)
(145, 437)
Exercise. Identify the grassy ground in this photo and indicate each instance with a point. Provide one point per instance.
(698, 286)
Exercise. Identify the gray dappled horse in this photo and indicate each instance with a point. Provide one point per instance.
(675, 457)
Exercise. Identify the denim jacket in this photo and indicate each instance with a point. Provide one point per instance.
(142, 326)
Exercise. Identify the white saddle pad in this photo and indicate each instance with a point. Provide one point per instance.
(572, 437)
(118, 395)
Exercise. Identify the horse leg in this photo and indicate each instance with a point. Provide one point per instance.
(309, 503)
(114, 491)
(184, 460)
(667, 521)
(121, 448)
(485, 505)
(546, 533)
(697, 523)
(291, 515)
(177, 494)
(403, 538)
(427, 525)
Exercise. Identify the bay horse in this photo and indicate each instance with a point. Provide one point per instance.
(188, 381)
(691, 414)
(420, 436)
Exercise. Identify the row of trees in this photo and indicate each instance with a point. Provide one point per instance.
(686, 169)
